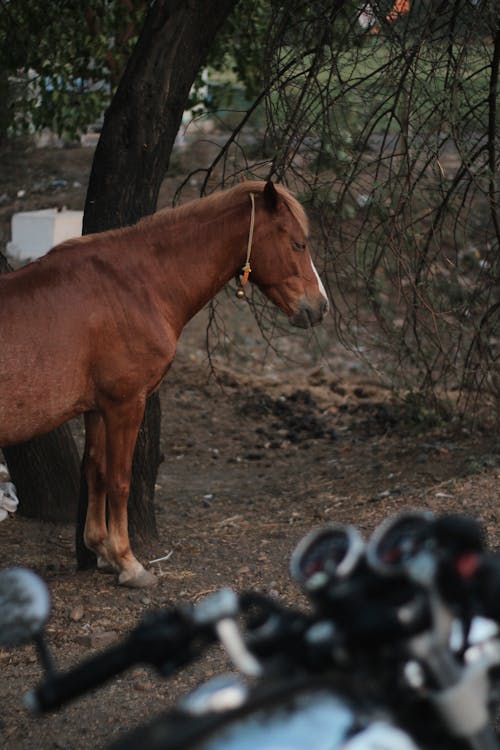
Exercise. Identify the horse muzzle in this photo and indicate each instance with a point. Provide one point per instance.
(308, 314)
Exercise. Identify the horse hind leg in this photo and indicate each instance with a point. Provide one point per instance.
(96, 532)
(122, 428)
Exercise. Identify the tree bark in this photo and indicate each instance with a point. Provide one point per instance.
(45, 470)
(4, 264)
(141, 124)
(45, 473)
(131, 158)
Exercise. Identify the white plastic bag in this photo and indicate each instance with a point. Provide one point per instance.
(8, 500)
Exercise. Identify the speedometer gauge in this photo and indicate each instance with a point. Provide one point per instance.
(397, 543)
(326, 554)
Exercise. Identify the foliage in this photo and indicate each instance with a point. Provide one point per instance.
(62, 60)
(238, 48)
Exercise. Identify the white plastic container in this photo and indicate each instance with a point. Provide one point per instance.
(36, 232)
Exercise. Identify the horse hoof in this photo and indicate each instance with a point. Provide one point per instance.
(142, 580)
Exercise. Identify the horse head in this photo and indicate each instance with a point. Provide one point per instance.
(281, 262)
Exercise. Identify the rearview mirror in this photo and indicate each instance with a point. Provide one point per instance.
(24, 606)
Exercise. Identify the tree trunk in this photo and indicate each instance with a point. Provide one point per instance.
(45, 470)
(4, 264)
(45, 473)
(131, 158)
(143, 119)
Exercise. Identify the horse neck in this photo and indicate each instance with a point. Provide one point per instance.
(198, 255)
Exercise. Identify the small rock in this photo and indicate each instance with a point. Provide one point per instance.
(139, 674)
(380, 496)
(144, 686)
(76, 613)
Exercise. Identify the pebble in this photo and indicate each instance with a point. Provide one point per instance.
(144, 686)
(139, 674)
(76, 613)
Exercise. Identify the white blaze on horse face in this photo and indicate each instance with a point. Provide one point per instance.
(321, 288)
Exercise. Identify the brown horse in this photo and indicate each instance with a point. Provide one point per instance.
(92, 328)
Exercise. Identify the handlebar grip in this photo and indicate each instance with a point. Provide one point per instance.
(60, 688)
(165, 639)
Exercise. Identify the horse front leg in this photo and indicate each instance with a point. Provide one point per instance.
(122, 427)
(94, 462)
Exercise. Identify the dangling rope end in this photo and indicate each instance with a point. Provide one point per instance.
(246, 273)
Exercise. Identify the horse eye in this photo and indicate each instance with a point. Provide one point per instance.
(299, 246)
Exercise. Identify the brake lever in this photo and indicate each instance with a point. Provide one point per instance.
(220, 610)
(462, 696)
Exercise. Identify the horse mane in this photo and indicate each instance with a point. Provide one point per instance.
(198, 208)
(225, 199)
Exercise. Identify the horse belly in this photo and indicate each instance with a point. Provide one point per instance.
(36, 394)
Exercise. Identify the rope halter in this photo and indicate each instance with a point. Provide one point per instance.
(246, 270)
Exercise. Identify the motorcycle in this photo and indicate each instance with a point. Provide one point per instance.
(400, 649)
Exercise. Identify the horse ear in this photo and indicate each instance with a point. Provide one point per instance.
(270, 197)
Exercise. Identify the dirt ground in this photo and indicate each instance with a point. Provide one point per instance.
(251, 463)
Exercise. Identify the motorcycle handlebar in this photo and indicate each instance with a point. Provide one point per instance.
(369, 608)
(170, 639)
(166, 639)
(60, 688)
